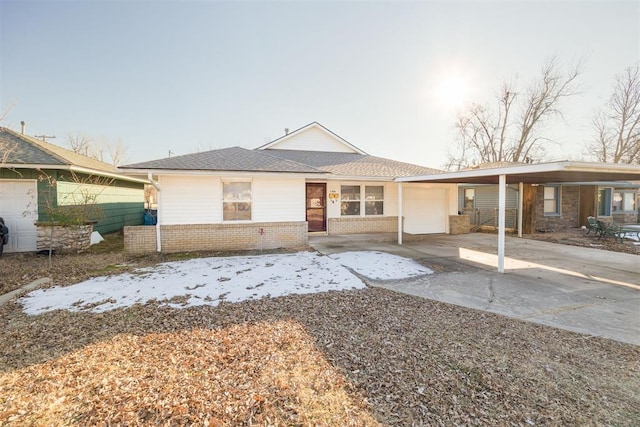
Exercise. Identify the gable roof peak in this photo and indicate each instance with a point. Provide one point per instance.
(333, 142)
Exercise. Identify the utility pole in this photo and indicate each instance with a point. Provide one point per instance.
(44, 137)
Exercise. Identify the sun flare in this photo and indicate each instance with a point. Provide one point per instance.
(452, 91)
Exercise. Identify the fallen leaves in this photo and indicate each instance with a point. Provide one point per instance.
(335, 358)
(264, 373)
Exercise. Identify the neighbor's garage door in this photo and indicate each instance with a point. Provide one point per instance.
(18, 207)
(425, 210)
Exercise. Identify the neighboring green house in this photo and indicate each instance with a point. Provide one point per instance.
(37, 178)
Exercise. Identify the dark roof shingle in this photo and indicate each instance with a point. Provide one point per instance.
(18, 149)
(227, 159)
(352, 164)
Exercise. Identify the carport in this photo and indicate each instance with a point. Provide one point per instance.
(541, 173)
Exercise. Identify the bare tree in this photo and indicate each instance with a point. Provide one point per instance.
(510, 130)
(617, 125)
(81, 144)
(105, 151)
(117, 152)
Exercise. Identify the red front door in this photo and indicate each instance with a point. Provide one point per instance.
(316, 206)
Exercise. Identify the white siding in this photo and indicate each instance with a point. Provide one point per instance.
(333, 208)
(198, 200)
(19, 208)
(190, 200)
(278, 199)
(390, 197)
(313, 139)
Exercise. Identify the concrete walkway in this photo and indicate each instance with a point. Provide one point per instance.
(586, 290)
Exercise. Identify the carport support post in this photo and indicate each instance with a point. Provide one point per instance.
(502, 187)
(399, 213)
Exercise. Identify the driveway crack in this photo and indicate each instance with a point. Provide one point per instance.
(492, 294)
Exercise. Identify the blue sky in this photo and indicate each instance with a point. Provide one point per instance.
(187, 76)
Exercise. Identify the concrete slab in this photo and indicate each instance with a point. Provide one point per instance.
(591, 291)
(4, 298)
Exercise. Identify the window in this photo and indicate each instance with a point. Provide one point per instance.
(604, 201)
(236, 201)
(469, 198)
(350, 196)
(624, 201)
(552, 200)
(353, 204)
(374, 200)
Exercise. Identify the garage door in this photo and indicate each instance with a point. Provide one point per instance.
(425, 210)
(18, 207)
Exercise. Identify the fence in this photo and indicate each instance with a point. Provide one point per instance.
(489, 217)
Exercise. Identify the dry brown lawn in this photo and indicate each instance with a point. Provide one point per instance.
(362, 357)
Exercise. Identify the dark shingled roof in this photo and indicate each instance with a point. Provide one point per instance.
(18, 149)
(227, 159)
(353, 164)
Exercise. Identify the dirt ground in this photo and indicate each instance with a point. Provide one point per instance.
(363, 357)
(579, 237)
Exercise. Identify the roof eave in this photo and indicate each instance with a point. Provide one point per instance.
(556, 167)
(200, 172)
(75, 169)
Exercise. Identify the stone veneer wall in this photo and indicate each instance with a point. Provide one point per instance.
(217, 237)
(357, 225)
(459, 224)
(569, 210)
(65, 239)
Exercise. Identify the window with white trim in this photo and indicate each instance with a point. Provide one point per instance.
(236, 201)
(623, 201)
(354, 204)
(374, 200)
(552, 200)
(350, 200)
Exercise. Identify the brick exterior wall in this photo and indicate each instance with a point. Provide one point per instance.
(459, 224)
(624, 218)
(216, 237)
(569, 210)
(139, 239)
(361, 225)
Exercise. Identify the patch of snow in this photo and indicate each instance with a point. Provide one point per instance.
(380, 265)
(207, 281)
(203, 281)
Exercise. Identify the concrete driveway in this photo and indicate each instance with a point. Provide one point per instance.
(586, 290)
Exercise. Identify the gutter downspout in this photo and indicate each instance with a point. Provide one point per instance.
(158, 234)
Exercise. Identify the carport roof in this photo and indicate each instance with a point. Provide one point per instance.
(556, 172)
